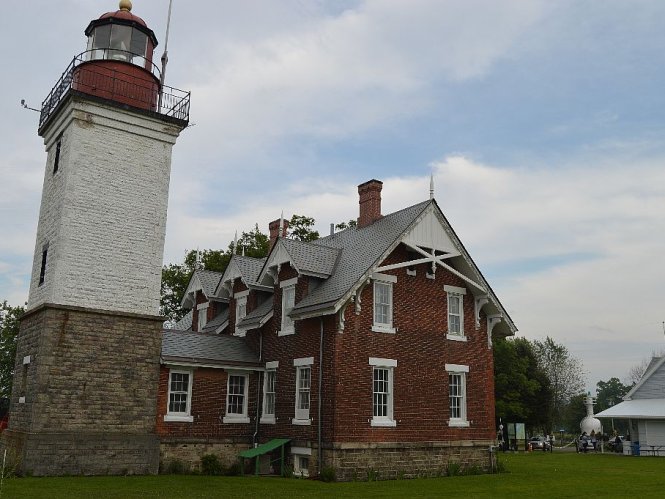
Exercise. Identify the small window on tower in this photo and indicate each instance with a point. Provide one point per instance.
(56, 160)
(42, 271)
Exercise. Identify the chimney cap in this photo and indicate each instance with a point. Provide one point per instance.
(371, 182)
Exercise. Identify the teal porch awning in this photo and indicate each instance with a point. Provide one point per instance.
(264, 449)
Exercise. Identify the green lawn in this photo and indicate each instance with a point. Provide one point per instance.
(529, 475)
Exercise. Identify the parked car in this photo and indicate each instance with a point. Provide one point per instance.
(539, 443)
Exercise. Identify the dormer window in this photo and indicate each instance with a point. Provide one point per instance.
(202, 309)
(288, 302)
(241, 310)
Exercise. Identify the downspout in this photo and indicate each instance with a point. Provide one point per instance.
(320, 401)
(258, 391)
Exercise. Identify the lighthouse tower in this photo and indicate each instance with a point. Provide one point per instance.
(85, 385)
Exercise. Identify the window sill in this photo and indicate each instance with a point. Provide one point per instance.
(384, 423)
(458, 423)
(301, 422)
(172, 418)
(268, 420)
(456, 337)
(239, 333)
(285, 332)
(384, 329)
(235, 419)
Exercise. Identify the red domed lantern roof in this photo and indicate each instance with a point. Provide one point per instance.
(124, 12)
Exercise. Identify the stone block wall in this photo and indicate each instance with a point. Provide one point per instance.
(86, 401)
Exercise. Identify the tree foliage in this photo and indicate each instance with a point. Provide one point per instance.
(564, 373)
(9, 327)
(346, 225)
(522, 389)
(300, 228)
(609, 393)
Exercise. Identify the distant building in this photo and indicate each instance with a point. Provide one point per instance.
(644, 408)
(368, 349)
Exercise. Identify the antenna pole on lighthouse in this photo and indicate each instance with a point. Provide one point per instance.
(165, 56)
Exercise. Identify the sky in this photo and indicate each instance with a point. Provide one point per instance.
(541, 122)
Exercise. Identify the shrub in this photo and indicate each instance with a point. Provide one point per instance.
(328, 474)
(234, 470)
(175, 467)
(210, 465)
(454, 469)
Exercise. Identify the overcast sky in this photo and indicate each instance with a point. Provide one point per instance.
(542, 123)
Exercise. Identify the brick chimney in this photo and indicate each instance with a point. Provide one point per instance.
(369, 195)
(274, 230)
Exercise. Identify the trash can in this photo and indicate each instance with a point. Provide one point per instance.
(627, 449)
(636, 448)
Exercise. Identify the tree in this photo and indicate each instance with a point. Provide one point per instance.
(564, 373)
(346, 225)
(573, 413)
(9, 327)
(522, 390)
(300, 228)
(636, 372)
(609, 393)
(176, 276)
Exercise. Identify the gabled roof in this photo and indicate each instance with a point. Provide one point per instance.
(245, 268)
(259, 316)
(188, 348)
(308, 258)
(361, 252)
(652, 384)
(203, 280)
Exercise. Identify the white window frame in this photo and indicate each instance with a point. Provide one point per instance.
(461, 371)
(380, 280)
(179, 416)
(202, 310)
(288, 326)
(457, 292)
(241, 303)
(388, 365)
(271, 369)
(302, 416)
(233, 417)
(299, 453)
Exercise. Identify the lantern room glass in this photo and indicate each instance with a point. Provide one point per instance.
(119, 43)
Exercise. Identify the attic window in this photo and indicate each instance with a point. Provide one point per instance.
(455, 298)
(288, 302)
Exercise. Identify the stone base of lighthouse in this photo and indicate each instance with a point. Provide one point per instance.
(84, 399)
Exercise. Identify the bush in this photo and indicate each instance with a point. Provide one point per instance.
(454, 469)
(328, 474)
(175, 467)
(210, 465)
(234, 470)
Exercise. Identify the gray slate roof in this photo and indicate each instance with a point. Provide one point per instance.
(219, 320)
(254, 318)
(359, 250)
(311, 257)
(249, 267)
(207, 349)
(185, 323)
(209, 280)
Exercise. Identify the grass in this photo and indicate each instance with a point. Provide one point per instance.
(529, 475)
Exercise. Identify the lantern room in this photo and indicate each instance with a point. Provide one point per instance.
(117, 64)
(121, 36)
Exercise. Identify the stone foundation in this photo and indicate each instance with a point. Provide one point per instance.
(84, 398)
(386, 461)
(190, 451)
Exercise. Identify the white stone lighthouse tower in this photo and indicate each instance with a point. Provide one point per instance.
(85, 385)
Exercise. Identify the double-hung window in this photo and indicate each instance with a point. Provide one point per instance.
(241, 311)
(180, 396)
(288, 302)
(269, 393)
(455, 297)
(457, 394)
(382, 391)
(303, 390)
(236, 398)
(383, 303)
(301, 456)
